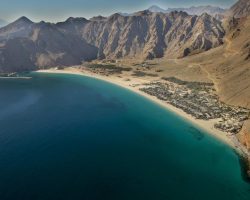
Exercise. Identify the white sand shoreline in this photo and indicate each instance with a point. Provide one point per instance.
(207, 126)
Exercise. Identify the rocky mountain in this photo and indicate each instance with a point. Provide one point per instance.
(25, 45)
(20, 28)
(199, 10)
(152, 35)
(240, 9)
(145, 34)
(227, 66)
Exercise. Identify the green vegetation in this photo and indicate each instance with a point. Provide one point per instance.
(109, 67)
(141, 74)
(189, 84)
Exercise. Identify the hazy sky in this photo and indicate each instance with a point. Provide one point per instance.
(59, 10)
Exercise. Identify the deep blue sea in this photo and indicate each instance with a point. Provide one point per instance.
(69, 137)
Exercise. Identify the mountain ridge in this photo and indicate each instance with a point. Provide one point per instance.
(240, 9)
(147, 35)
(194, 10)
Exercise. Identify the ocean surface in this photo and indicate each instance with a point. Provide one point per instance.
(68, 137)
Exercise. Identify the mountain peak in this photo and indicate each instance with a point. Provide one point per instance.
(114, 17)
(155, 8)
(143, 13)
(19, 23)
(24, 19)
(76, 19)
(180, 13)
(205, 15)
(98, 18)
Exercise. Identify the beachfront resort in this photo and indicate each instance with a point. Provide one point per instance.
(199, 100)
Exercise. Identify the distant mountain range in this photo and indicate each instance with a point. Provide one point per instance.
(199, 10)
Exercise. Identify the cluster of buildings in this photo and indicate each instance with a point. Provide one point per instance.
(198, 100)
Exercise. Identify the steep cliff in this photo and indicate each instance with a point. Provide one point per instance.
(240, 9)
(153, 35)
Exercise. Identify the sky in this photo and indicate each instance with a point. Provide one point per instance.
(59, 10)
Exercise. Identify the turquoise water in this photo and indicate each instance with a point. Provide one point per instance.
(72, 137)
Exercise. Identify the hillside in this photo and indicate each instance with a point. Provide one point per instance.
(240, 9)
(153, 35)
(227, 66)
(41, 45)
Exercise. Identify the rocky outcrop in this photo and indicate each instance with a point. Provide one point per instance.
(246, 51)
(153, 35)
(244, 135)
(240, 9)
(244, 138)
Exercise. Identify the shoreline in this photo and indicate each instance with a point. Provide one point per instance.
(15, 77)
(207, 126)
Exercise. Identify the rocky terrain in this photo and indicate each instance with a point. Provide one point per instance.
(244, 135)
(240, 9)
(244, 138)
(25, 45)
(145, 35)
(153, 35)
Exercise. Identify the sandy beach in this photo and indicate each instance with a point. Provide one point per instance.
(206, 125)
